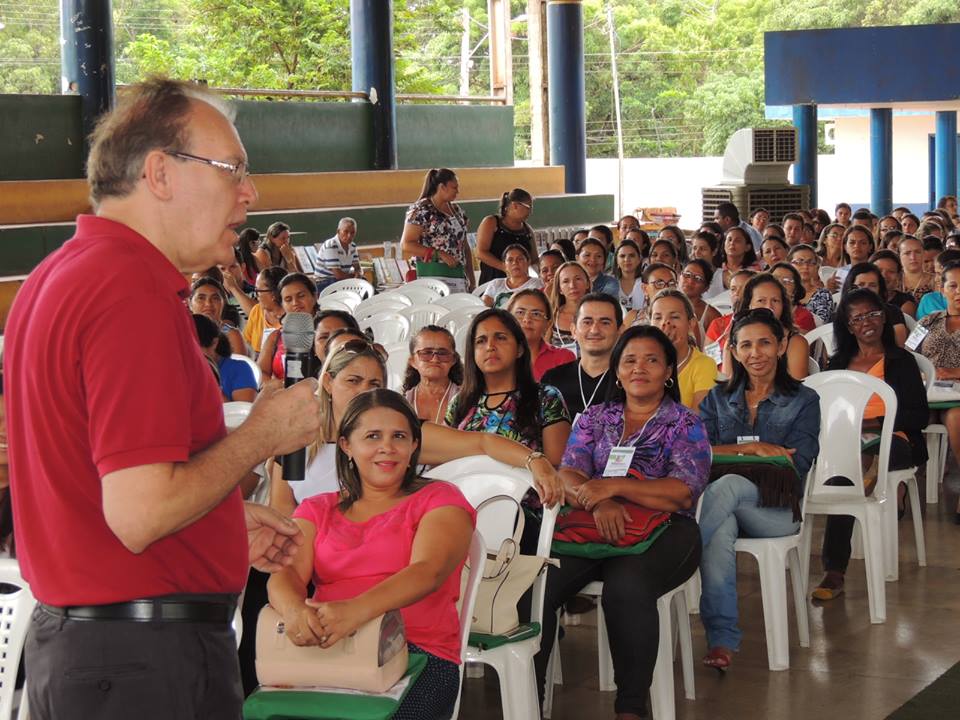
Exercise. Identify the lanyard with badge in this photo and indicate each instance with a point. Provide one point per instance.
(621, 456)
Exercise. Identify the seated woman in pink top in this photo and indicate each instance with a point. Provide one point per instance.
(388, 540)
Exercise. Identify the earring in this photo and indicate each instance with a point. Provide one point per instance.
(352, 464)
(618, 383)
(668, 383)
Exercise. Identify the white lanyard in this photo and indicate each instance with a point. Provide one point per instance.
(583, 398)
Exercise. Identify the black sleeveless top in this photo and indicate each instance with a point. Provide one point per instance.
(503, 237)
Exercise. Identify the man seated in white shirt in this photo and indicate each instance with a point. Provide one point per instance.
(338, 256)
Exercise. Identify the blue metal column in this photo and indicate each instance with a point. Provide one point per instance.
(881, 160)
(87, 56)
(371, 50)
(932, 170)
(946, 150)
(805, 169)
(568, 128)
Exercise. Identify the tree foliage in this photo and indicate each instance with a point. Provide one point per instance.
(691, 71)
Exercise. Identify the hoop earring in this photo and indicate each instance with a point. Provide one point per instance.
(618, 383)
(668, 383)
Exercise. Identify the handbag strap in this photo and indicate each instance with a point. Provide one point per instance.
(518, 530)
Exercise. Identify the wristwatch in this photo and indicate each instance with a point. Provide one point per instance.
(531, 457)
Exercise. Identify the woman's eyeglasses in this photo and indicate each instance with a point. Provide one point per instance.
(691, 276)
(520, 314)
(865, 317)
(441, 354)
(661, 284)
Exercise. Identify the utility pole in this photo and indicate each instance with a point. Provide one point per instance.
(465, 55)
(501, 54)
(539, 100)
(616, 106)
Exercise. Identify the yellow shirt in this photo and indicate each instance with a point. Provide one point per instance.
(253, 330)
(699, 374)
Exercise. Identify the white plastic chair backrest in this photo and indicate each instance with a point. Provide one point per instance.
(417, 294)
(479, 290)
(843, 398)
(15, 609)
(909, 322)
(817, 320)
(723, 302)
(813, 367)
(388, 327)
(826, 272)
(824, 334)
(398, 348)
(927, 369)
(836, 297)
(334, 304)
(357, 285)
(396, 369)
(456, 301)
(460, 340)
(235, 412)
(422, 315)
(381, 303)
(475, 561)
(257, 373)
(434, 284)
(350, 298)
(462, 317)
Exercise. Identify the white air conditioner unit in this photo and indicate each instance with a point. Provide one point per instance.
(759, 156)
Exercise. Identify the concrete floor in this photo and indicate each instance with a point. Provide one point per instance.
(852, 670)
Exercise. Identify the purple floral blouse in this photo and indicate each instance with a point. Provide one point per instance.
(673, 443)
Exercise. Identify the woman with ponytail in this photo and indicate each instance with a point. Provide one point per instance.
(498, 232)
(435, 232)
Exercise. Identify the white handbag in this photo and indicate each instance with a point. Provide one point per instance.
(507, 575)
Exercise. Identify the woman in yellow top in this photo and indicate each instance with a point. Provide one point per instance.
(263, 317)
(672, 312)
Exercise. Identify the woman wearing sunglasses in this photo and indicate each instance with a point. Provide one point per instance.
(434, 373)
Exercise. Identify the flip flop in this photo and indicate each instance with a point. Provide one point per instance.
(718, 658)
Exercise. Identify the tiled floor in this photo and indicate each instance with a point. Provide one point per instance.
(853, 670)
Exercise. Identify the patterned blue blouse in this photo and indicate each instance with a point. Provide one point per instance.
(673, 443)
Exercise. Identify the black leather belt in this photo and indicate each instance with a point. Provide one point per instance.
(150, 610)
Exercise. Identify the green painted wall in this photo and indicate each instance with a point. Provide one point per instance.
(41, 136)
(22, 248)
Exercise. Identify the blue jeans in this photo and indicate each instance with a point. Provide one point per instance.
(730, 511)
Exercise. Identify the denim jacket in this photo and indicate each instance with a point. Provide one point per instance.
(606, 284)
(791, 421)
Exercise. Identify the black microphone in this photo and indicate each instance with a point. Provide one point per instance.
(298, 359)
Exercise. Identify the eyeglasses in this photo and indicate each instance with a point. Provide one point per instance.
(441, 354)
(528, 206)
(865, 317)
(800, 262)
(258, 290)
(692, 276)
(787, 281)
(238, 171)
(520, 314)
(661, 284)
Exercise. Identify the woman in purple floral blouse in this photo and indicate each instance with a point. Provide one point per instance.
(671, 452)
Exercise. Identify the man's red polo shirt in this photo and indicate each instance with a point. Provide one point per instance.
(103, 372)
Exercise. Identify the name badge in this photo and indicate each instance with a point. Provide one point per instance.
(714, 352)
(744, 439)
(841, 274)
(916, 337)
(619, 461)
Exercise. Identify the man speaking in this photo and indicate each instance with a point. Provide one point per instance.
(130, 527)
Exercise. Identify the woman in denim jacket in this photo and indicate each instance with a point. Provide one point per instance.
(760, 411)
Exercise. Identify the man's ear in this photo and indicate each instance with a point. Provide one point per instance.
(157, 174)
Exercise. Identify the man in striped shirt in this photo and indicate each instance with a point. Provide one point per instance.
(338, 256)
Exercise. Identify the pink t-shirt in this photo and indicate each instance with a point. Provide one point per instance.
(350, 558)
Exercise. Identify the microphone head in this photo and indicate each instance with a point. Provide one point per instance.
(297, 332)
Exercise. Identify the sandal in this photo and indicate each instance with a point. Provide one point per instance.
(830, 587)
(719, 658)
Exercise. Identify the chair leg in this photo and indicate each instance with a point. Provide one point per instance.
(872, 525)
(681, 621)
(773, 590)
(856, 549)
(553, 673)
(604, 658)
(806, 539)
(692, 591)
(891, 535)
(914, 492)
(518, 685)
(662, 699)
(933, 467)
(799, 584)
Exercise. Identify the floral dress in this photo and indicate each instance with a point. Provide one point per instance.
(502, 419)
(442, 232)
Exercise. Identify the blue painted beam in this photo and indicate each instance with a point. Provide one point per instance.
(881, 161)
(568, 127)
(946, 154)
(371, 53)
(802, 66)
(805, 169)
(87, 58)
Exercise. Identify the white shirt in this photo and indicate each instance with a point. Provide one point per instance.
(320, 476)
(498, 290)
(636, 298)
(333, 256)
(755, 237)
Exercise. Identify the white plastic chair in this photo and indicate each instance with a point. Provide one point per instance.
(480, 478)
(257, 373)
(357, 285)
(475, 562)
(936, 435)
(909, 322)
(456, 319)
(460, 340)
(435, 284)
(479, 290)
(397, 367)
(350, 298)
(388, 327)
(235, 412)
(674, 622)
(416, 294)
(15, 609)
(459, 300)
(843, 398)
(423, 315)
(813, 367)
(723, 302)
(824, 334)
(334, 304)
(826, 272)
(381, 303)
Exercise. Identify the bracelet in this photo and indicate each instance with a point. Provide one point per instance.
(531, 457)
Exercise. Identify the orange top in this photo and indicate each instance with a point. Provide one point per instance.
(875, 406)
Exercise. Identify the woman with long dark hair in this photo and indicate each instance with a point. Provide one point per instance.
(760, 411)
(263, 319)
(627, 270)
(569, 285)
(247, 242)
(868, 276)
(298, 294)
(276, 249)
(434, 373)
(235, 377)
(498, 232)
(816, 298)
(208, 297)
(435, 232)
(737, 253)
(666, 471)
(865, 342)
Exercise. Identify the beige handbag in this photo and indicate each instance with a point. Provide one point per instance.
(507, 575)
(373, 659)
